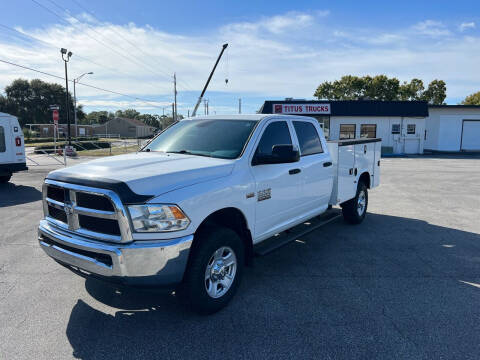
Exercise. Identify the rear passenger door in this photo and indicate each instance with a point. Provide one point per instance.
(5, 142)
(316, 167)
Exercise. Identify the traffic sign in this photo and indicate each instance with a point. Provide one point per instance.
(55, 117)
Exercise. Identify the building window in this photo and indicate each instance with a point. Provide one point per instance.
(368, 131)
(347, 131)
(3, 148)
(307, 138)
(395, 128)
(411, 129)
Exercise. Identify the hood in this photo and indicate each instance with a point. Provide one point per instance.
(146, 173)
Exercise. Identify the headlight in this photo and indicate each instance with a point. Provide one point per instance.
(157, 218)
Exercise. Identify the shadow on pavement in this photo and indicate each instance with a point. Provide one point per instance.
(11, 194)
(391, 287)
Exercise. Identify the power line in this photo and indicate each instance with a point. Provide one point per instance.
(146, 101)
(135, 61)
(81, 57)
(122, 37)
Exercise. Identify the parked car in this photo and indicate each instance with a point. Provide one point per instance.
(194, 206)
(12, 147)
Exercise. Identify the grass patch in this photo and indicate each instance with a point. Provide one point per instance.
(118, 150)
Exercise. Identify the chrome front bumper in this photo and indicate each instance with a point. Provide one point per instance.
(149, 263)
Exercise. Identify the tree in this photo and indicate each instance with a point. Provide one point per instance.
(30, 101)
(473, 99)
(98, 117)
(129, 113)
(382, 88)
(435, 93)
(411, 91)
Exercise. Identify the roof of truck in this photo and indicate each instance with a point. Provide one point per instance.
(253, 117)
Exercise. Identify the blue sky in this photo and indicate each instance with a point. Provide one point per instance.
(277, 49)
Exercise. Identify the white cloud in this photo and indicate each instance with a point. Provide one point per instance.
(273, 57)
(466, 25)
(431, 28)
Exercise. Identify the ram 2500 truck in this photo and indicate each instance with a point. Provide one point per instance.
(198, 201)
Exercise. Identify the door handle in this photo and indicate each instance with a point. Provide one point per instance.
(327, 164)
(294, 171)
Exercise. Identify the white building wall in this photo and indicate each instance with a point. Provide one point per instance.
(444, 127)
(400, 143)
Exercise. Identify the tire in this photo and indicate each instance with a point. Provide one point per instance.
(354, 210)
(4, 179)
(210, 283)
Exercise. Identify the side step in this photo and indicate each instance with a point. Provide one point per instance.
(287, 236)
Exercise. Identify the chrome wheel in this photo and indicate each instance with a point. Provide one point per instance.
(361, 203)
(220, 272)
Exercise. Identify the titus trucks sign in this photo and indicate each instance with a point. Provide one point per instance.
(301, 109)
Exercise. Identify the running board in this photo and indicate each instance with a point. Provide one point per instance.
(267, 246)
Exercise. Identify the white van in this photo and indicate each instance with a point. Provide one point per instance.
(12, 148)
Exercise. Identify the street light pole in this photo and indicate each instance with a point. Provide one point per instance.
(75, 100)
(66, 58)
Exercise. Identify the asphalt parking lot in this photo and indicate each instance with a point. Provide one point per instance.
(404, 284)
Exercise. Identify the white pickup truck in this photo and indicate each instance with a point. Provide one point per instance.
(192, 208)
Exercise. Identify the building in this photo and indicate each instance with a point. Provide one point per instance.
(452, 128)
(124, 127)
(46, 130)
(400, 124)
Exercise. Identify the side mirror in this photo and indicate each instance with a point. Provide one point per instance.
(281, 154)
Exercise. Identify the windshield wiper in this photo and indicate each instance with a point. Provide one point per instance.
(187, 153)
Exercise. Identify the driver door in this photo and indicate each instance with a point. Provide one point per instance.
(276, 185)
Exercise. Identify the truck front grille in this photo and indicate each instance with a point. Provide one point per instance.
(106, 226)
(90, 212)
(57, 214)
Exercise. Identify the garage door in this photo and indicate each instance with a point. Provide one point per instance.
(471, 135)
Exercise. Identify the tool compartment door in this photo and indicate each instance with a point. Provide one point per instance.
(347, 187)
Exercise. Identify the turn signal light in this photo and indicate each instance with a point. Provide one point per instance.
(18, 141)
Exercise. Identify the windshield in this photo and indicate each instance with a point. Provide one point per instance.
(214, 138)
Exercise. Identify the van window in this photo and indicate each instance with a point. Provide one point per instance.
(2, 140)
(308, 138)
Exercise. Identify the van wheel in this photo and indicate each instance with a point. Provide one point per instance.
(215, 270)
(4, 179)
(354, 210)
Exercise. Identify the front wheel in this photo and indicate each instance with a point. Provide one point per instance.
(215, 270)
(354, 210)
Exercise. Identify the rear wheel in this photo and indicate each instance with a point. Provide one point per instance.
(5, 178)
(354, 210)
(215, 270)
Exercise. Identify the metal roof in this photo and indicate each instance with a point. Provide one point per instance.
(360, 107)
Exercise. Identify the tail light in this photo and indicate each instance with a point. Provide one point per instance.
(18, 141)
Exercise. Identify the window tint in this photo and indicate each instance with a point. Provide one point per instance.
(395, 128)
(368, 131)
(347, 131)
(2, 140)
(308, 138)
(411, 129)
(276, 133)
(220, 138)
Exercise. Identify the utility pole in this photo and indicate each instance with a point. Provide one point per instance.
(75, 81)
(205, 107)
(66, 58)
(173, 111)
(188, 113)
(239, 106)
(175, 96)
(208, 80)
